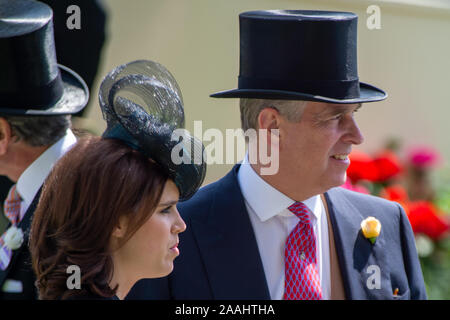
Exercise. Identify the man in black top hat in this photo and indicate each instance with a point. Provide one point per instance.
(294, 233)
(78, 49)
(37, 97)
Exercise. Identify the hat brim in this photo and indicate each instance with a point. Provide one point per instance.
(368, 93)
(74, 98)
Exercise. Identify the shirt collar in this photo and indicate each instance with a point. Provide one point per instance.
(265, 200)
(34, 176)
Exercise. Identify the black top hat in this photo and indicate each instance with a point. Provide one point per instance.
(300, 55)
(142, 105)
(31, 81)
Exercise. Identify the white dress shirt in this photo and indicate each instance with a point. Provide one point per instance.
(272, 223)
(31, 180)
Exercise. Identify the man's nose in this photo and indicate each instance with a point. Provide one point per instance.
(354, 135)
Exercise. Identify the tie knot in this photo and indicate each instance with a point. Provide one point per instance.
(301, 211)
(12, 205)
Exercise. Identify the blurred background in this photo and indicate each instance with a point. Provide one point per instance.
(406, 153)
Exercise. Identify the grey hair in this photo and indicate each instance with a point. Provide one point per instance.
(39, 131)
(250, 109)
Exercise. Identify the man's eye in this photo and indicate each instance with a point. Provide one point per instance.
(338, 117)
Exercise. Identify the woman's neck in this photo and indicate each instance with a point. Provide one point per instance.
(123, 280)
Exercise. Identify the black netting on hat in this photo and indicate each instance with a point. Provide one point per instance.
(142, 105)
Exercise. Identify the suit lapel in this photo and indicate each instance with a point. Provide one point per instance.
(24, 224)
(228, 246)
(337, 285)
(355, 253)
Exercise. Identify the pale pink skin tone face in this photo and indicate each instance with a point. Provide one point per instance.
(15, 155)
(307, 166)
(150, 252)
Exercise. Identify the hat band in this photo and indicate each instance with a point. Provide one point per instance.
(37, 97)
(338, 89)
(117, 131)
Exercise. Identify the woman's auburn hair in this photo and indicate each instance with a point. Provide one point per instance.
(93, 185)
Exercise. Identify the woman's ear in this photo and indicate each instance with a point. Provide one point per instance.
(121, 228)
(5, 135)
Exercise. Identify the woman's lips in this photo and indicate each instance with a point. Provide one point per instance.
(175, 249)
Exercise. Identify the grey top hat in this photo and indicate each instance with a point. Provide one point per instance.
(31, 81)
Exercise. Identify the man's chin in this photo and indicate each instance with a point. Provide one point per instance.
(336, 182)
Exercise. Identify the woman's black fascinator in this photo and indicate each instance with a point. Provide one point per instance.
(142, 105)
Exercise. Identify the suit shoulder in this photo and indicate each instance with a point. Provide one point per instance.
(391, 215)
(202, 199)
(363, 200)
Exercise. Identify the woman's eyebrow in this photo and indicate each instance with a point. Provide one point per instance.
(168, 203)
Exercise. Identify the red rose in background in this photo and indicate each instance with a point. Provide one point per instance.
(398, 194)
(395, 193)
(388, 165)
(361, 167)
(423, 218)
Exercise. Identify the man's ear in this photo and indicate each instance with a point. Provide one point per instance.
(268, 118)
(5, 135)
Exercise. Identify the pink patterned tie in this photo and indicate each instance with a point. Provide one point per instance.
(12, 212)
(302, 275)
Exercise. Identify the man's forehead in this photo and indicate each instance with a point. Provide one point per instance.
(331, 108)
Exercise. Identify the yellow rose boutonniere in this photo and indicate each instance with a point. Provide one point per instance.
(371, 228)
